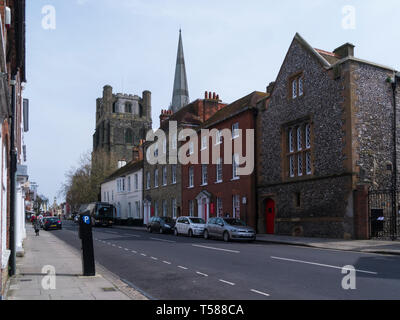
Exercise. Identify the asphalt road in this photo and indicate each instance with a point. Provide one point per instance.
(181, 268)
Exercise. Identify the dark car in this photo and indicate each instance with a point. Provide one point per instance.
(52, 223)
(161, 225)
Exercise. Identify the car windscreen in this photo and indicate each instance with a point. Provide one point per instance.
(197, 221)
(235, 222)
(105, 212)
(52, 220)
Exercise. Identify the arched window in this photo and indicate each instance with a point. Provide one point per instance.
(129, 136)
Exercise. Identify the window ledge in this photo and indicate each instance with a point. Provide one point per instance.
(204, 185)
(235, 179)
(191, 187)
(219, 182)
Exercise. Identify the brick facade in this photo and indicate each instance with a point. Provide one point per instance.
(190, 116)
(219, 193)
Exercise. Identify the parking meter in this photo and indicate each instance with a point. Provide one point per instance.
(86, 236)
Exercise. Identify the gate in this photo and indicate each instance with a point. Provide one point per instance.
(383, 215)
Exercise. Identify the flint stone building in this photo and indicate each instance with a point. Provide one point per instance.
(122, 121)
(325, 137)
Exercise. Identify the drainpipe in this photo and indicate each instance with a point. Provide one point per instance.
(13, 170)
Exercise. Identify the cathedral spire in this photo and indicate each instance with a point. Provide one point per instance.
(180, 97)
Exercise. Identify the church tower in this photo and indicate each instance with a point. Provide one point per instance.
(180, 96)
(122, 121)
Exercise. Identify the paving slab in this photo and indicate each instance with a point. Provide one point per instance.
(48, 252)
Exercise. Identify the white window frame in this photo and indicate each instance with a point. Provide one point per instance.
(191, 177)
(235, 130)
(204, 143)
(204, 174)
(148, 180)
(164, 176)
(156, 178)
(174, 169)
(235, 166)
(220, 173)
(220, 207)
(236, 207)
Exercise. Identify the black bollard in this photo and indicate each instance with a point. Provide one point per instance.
(86, 236)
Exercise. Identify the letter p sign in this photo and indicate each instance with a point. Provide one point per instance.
(86, 219)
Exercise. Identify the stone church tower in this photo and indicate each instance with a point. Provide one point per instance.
(122, 121)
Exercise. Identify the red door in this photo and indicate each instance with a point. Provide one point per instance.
(270, 212)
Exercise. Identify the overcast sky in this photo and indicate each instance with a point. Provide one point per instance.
(231, 48)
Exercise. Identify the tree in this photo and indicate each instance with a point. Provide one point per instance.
(82, 184)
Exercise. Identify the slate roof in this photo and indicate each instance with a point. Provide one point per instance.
(245, 103)
(129, 168)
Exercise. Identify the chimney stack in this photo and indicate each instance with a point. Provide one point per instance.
(344, 51)
(138, 152)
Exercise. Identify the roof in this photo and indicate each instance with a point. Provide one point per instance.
(329, 59)
(245, 103)
(129, 168)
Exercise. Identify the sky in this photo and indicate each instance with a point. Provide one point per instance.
(231, 47)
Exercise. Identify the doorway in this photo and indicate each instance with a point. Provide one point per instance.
(270, 216)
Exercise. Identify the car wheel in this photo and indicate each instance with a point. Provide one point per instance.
(226, 236)
(161, 230)
(206, 235)
(176, 233)
(190, 233)
(149, 229)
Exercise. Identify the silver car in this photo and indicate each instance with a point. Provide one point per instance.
(190, 226)
(229, 229)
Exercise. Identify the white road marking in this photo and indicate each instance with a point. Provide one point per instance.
(163, 240)
(259, 292)
(119, 247)
(133, 251)
(212, 248)
(144, 255)
(227, 282)
(184, 268)
(114, 245)
(321, 265)
(202, 274)
(154, 258)
(132, 235)
(166, 262)
(126, 249)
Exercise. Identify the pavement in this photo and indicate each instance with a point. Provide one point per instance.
(33, 283)
(366, 246)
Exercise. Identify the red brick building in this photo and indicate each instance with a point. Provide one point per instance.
(215, 189)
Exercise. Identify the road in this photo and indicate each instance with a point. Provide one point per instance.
(180, 268)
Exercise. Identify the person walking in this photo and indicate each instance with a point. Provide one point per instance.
(37, 227)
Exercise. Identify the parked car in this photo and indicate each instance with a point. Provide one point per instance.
(52, 223)
(161, 225)
(190, 226)
(229, 229)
